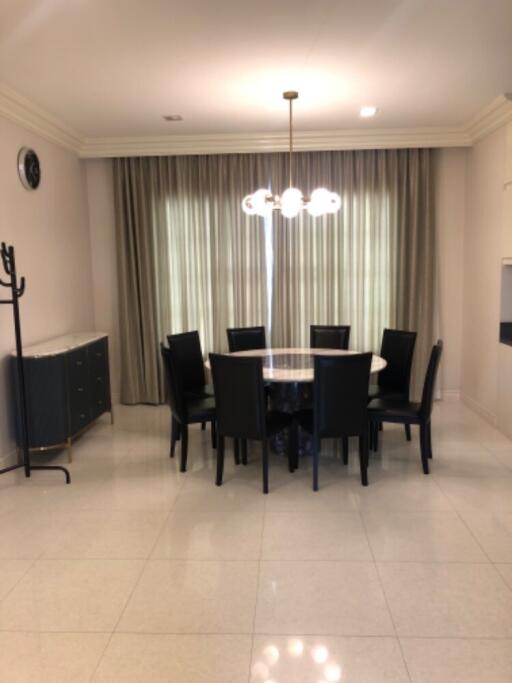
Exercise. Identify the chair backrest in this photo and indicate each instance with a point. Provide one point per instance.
(186, 350)
(329, 336)
(176, 395)
(340, 394)
(397, 349)
(246, 338)
(427, 397)
(239, 396)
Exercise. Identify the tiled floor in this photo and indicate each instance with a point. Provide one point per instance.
(137, 573)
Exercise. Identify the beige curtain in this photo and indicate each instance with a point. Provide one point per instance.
(189, 258)
(137, 239)
(371, 265)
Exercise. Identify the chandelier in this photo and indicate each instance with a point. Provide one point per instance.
(292, 201)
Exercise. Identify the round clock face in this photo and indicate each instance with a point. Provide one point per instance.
(28, 168)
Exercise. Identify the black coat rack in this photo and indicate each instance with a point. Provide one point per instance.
(9, 263)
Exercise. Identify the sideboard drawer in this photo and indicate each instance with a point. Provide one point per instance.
(80, 416)
(67, 388)
(78, 367)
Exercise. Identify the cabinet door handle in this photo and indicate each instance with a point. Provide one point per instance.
(99, 354)
(79, 362)
(80, 389)
(82, 415)
(99, 379)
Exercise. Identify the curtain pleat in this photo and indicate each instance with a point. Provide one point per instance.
(371, 265)
(137, 276)
(189, 258)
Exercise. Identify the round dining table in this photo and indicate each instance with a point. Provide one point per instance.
(297, 364)
(289, 372)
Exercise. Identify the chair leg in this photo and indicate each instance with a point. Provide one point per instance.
(203, 426)
(363, 458)
(344, 443)
(214, 433)
(175, 427)
(316, 461)
(236, 451)
(424, 447)
(408, 432)
(264, 459)
(184, 448)
(220, 460)
(244, 451)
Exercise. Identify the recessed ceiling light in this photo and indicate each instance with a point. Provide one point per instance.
(173, 117)
(368, 112)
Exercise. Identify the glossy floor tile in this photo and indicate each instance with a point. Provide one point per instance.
(447, 600)
(171, 659)
(439, 660)
(193, 597)
(310, 659)
(50, 657)
(70, 595)
(314, 536)
(343, 598)
(137, 572)
(416, 537)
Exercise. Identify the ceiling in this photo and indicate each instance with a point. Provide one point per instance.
(112, 68)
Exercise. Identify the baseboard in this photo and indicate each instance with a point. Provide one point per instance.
(479, 409)
(450, 395)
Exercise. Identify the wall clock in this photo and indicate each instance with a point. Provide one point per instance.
(29, 168)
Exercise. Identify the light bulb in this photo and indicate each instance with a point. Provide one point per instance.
(260, 204)
(247, 205)
(291, 202)
(319, 202)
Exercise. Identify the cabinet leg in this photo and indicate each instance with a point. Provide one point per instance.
(70, 450)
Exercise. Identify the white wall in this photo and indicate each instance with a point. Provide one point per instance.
(103, 248)
(450, 191)
(49, 230)
(482, 273)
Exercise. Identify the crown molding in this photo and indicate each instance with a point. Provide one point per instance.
(274, 142)
(497, 113)
(26, 114)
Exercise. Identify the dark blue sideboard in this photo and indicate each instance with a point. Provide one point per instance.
(68, 386)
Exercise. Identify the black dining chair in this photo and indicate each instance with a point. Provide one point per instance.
(246, 338)
(185, 410)
(186, 349)
(241, 408)
(329, 336)
(397, 349)
(340, 405)
(409, 413)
